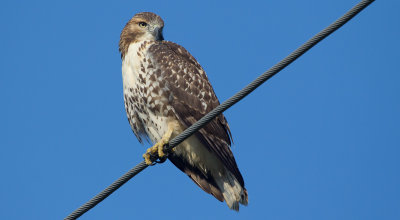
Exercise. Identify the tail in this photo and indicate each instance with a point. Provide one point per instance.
(223, 186)
(232, 191)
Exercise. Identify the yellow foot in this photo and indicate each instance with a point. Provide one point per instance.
(156, 150)
(158, 147)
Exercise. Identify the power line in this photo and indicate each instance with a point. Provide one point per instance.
(225, 105)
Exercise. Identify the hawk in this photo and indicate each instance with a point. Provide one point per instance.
(165, 91)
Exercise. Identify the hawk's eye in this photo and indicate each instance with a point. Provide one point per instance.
(142, 24)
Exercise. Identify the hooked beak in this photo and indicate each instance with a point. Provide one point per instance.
(158, 34)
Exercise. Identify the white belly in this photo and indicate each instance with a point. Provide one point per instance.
(154, 126)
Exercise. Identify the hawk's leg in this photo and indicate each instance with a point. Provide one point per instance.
(158, 148)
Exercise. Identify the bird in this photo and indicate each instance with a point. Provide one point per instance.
(165, 91)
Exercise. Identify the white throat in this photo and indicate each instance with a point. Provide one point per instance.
(131, 63)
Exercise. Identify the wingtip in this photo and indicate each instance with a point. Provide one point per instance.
(235, 206)
(244, 198)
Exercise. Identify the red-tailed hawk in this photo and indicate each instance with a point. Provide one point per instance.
(165, 91)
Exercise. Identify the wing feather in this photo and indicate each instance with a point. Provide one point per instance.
(191, 97)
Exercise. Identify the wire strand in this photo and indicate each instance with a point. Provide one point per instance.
(225, 105)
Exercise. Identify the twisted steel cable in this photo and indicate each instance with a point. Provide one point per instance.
(224, 106)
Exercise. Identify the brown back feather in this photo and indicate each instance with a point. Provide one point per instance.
(186, 88)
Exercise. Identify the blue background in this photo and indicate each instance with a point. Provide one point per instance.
(318, 141)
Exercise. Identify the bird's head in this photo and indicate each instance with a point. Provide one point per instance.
(143, 26)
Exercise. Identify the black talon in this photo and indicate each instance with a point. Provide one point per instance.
(164, 158)
(155, 158)
(161, 159)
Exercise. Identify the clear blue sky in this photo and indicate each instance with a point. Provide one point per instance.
(321, 140)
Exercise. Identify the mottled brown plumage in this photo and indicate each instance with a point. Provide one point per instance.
(166, 88)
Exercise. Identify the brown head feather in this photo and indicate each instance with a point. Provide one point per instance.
(142, 26)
